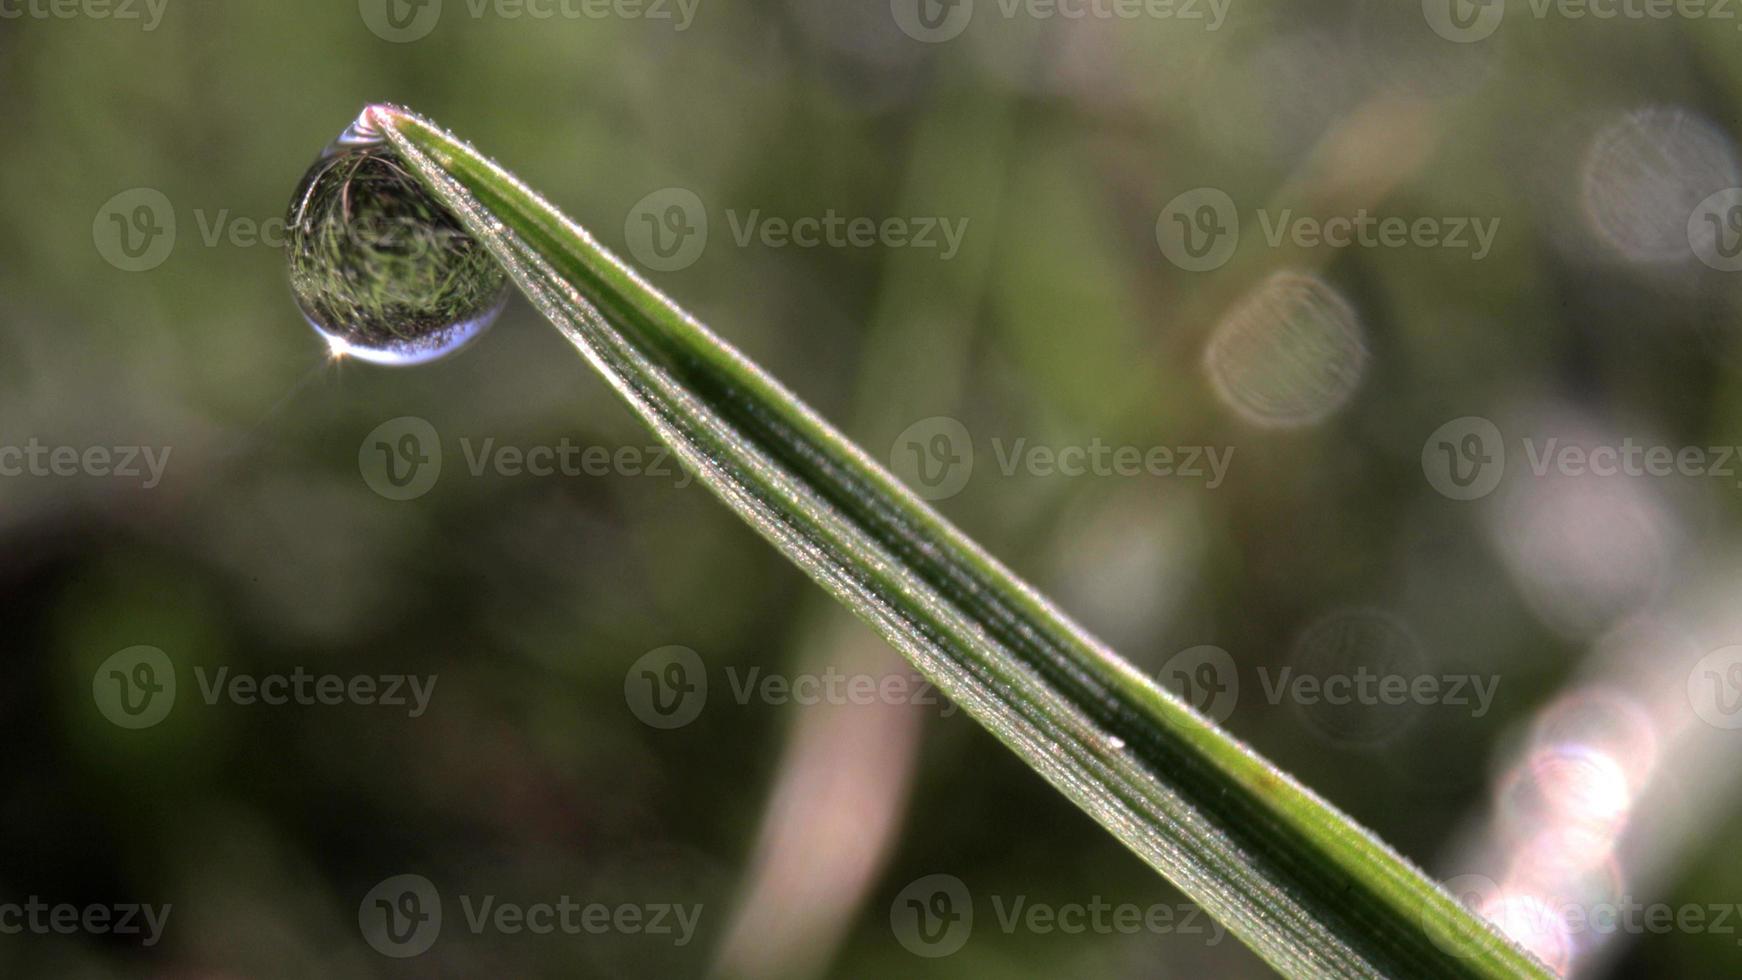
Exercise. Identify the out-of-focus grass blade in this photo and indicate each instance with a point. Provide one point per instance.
(1297, 881)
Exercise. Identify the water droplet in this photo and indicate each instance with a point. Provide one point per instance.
(379, 267)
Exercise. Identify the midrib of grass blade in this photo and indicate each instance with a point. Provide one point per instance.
(1297, 881)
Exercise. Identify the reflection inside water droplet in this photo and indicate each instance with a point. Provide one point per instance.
(379, 267)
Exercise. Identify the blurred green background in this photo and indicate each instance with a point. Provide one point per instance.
(1064, 144)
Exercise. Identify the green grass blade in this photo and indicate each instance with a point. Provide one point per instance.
(1300, 883)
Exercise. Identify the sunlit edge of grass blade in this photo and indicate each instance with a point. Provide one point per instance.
(1296, 880)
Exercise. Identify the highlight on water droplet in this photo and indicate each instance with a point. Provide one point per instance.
(1289, 355)
(379, 267)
